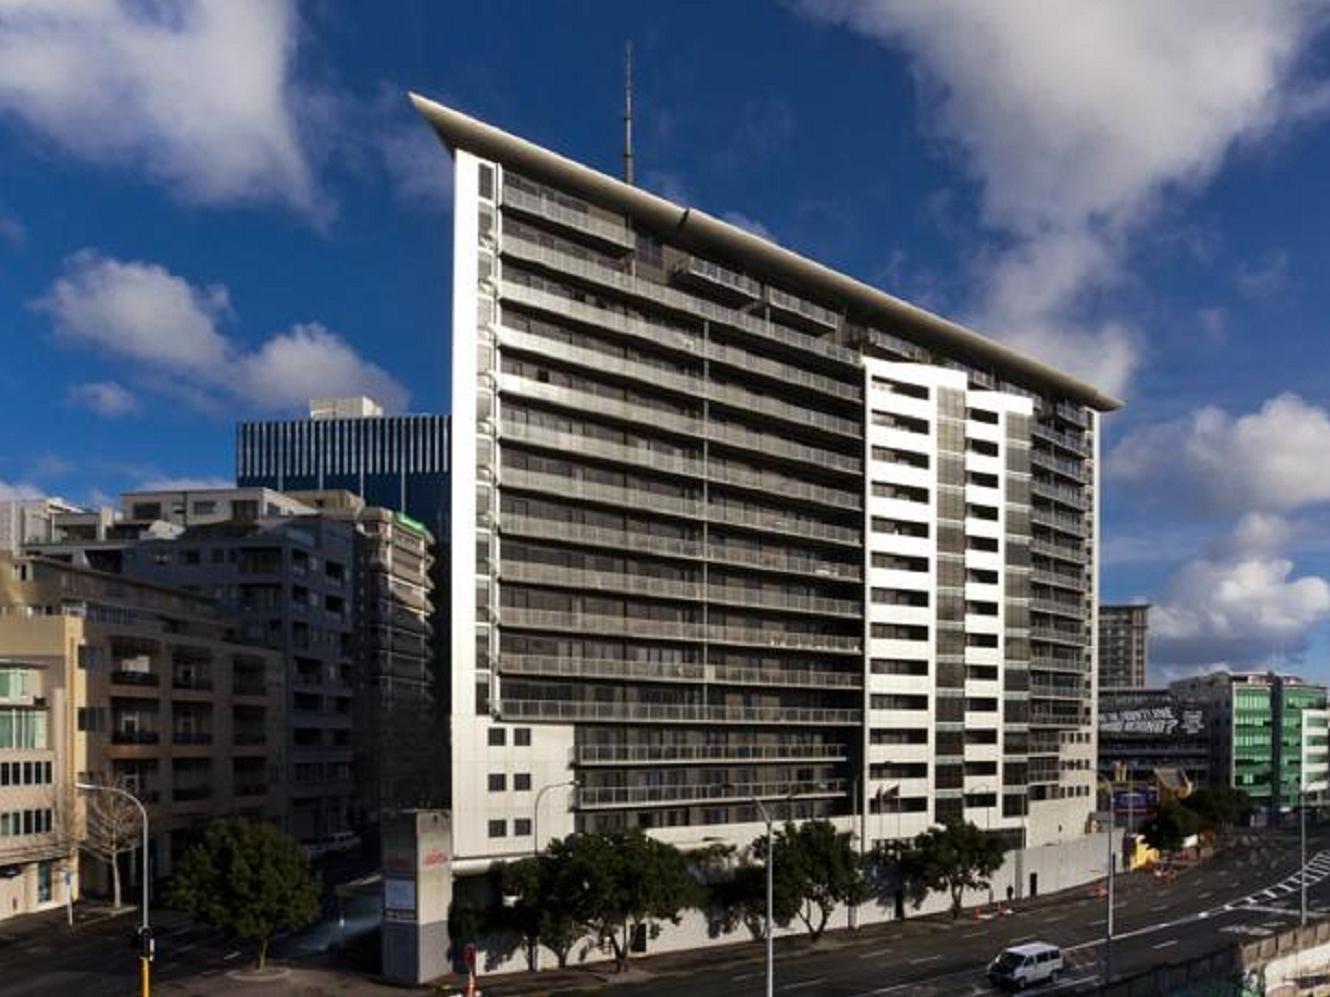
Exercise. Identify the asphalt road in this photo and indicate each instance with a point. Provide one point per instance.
(1240, 893)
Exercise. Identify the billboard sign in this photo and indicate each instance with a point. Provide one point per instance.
(1159, 721)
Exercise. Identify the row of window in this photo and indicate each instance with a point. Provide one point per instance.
(498, 782)
(23, 729)
(16, 683)
(498, 737)
(903, 631)
(25, 773)
(14, 823)
(521, 828)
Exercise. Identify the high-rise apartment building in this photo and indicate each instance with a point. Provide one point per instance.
(1123, 635)
(392, 461)
(135, 684)
(1268, 734)
(731, 526)
(31, 520)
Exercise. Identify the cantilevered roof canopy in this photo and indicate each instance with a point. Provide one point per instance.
(701, 233)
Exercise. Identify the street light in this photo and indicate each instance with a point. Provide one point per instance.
(1302, 873)
(770, 864)
(535, 812)
(1109, 869)
(145, 932)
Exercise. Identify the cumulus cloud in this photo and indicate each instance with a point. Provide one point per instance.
(1271, 459)
(106, 398)
(201, 95)
(10, 490)
(12, 231)
(1240, 604)
(1075, 124)
(418, 166)
(1265, 277)
(168, 326)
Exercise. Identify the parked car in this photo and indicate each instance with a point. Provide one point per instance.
(315, 849)
(342, 841)
(1027, 965)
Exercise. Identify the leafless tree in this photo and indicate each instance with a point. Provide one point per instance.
(113, 827)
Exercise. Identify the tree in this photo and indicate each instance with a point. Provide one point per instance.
(616, 883)
(249, 879)
(1219, 806)
(543, 903)
(954, 857)
(114, 826)
(815, 869)
(1170, 826)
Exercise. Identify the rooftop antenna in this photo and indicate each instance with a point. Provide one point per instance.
(628, 113)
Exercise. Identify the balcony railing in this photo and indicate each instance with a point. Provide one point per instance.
(191, 737)
(780, 561)
(1059, 607)
(724, 277)
(614, 408)
(574, 711)
(1064, 494)
(1072, 469)
(1051, 664)
(187, 794)
(592, 797)
(779, 484)
(1060, 635)
(602, 581)
(563, 307)
(1061, 521)
(1073, 413)
(778, 522)
(1048, 690)
(251, 789)
(591, 491)
(615, 233)
(122, 677)
(248, 738)
(575, 443)
(1067, 441)
(789, 601)
(1054, 716)
(790, 640)
(750, 362)
(135, 737)
(597, 360)
(598, 536)
(587, 270)
(249, 687)
(775, 446)
(644, 754)
(197, 683)
(794, 305)
(676, 671)
(748, 401)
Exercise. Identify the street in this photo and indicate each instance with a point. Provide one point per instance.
(1242, 893)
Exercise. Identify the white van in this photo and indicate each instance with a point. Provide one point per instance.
(1026, 965)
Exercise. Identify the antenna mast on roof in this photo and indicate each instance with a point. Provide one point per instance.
(628, 113)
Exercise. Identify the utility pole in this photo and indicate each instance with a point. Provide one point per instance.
(146, 945)
(770, 862)
(628, 113)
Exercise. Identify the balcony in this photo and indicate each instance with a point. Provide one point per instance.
(547, 619)
(569, 711)
(597, 797)
(1063, 494)
(250, 789)
(135, 737)
(1049, 715)
(192, 682)
(792, 304)
(562, 307)
(778, 484)
(790, 602)
(1075, 636)
(189, 794)
(669, 754)
(751, 363)
(771, 521)
(1046, 663)
(599, 581)
(191, 737)
(785, 640)
(600, 362)
(590, 491)
(775, 446)
(575, 444)
(722, 278)
(732, 396)
(1071, 442)
(135, 678)
(1072, 413)
(1050, 690)
(596, 536)
(615, 234)
(783, 562)
(676, 672)
(1061, 521)
(613, 408)
(603, 276)
(1071, 580)
(249, 687)
(1059, 607)
(248, 738)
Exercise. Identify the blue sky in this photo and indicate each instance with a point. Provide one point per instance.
(210, 210)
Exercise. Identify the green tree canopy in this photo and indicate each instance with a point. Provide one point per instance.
(954, 857)
(1170, 826)
(250, 880)
(815, 869)
(1219, 806)
(544, 902)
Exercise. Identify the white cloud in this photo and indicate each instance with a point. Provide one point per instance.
(1077, 123)
(106, 398)
(418, 166)
(19, 490)
(748, 224)
(199, 95)
(1241, 604)
(12, 231)
(1271, 459)
(145, 313)
(183, 484)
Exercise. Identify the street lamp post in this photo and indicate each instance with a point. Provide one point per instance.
(535, 812)
(771, 861)
(1302, 873)
(145, 932)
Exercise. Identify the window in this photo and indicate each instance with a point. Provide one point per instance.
(885, 701)
(898, 666)
(981, 480)
(486, 182)
(981, 543)
(497, 737)
(909, 458)
(205, 507)
(522, 781)
(522, 827)
(191, 556)
(981, 640)
(498, 782)
(984, 448)
(907, 493)
(899, 527)
(987, 512)
(981, 415)
(898, 631)
(498, 829)
(147, 510)
(899, 562)
(522, 737)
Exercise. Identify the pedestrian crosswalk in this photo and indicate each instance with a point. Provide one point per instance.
(1316, 870)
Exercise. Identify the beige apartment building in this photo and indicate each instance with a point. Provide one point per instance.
(141, 684)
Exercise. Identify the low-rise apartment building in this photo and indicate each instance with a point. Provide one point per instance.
(165, 701)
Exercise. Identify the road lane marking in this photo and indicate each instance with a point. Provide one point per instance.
(1102, 920)
(741, 977)
(808, 983)
(1164, 945)
(927, 958)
